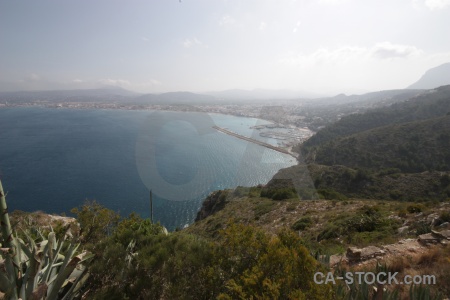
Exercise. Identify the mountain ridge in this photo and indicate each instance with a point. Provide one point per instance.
(433, 78)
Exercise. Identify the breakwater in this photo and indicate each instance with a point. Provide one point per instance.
(279, 149)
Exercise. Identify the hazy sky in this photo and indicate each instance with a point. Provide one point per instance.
(322, 46)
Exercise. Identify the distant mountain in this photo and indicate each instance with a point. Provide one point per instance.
(378, 98)
(175, 98)
(433, 78)
(82, 95)
(261, 94)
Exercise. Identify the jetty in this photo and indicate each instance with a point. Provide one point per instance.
(279, 149)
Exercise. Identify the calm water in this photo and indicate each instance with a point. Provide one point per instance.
(54, 159)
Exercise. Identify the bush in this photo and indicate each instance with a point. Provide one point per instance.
(263, 207)
(421, 228)
(302, 223)
(329, 194)
(140, 261)
(279, 193)
(402, 213)
(241, 191)
(257, 266)
(445, 216)
(96, 221)
(415, 208)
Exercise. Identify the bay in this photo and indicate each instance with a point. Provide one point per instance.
(54, 159)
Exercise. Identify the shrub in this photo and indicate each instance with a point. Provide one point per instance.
(445, 216)
(329, 194)
(421, 228)
(330, 232)
(415, 208)
(302, 223)
(140, 261)
(263, 207)
(279, 193)
(258, 266)
(402, 213)
(96, 221)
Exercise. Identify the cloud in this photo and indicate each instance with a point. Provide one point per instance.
(325, 56)
(188, 43)
(143, 86)
(297, 26)
(78, 80)
(431, 4)
(115, 82)
(346, 54)
(144, 39)
(262, 26)
(154, 82)
(437, 4)
(227, 20)
(387, 50)
(32, 77)
(331, 2)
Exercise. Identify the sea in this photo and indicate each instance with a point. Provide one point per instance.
(53, 160)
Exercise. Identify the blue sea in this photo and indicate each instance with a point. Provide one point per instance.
(54, 159)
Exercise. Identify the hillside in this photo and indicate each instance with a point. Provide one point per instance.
(410, 147)
(174, 98)
(433, 78)
(358, 234)
(340, 183)
(433, 103)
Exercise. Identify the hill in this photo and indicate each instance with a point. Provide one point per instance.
(410, 147)
(81, 95)
(187, 98)
(433, 103)
(395, 152)
(433, 78)
(363, 232)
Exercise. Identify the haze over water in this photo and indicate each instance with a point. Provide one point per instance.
(52, 160)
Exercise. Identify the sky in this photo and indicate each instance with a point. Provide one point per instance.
(155, 46)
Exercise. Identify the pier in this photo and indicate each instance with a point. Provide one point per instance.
(282, 150)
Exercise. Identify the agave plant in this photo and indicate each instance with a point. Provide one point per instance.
(38, 270)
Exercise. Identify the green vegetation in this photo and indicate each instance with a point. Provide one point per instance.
(302, 223)
(408, 147)
(364, 227)
(139, 260)
(39, 269)
(425, 106)
(399, 152)
(279, 193)
(95, 221)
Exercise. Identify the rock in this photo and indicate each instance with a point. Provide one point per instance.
(356, 254)
(213, 203)
(371, 251)
(432, 218)
(402, 229)
(442, 235)
(353, 253)
(406, 241)
(444, 225)
(412, 249)
(335, 259)
(428, 238)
